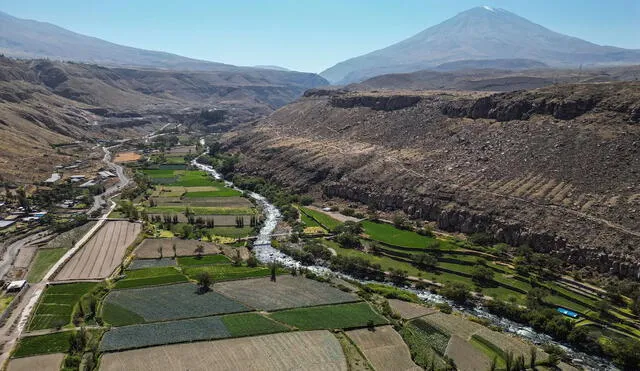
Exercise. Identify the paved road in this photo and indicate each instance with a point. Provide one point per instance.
(122, 183)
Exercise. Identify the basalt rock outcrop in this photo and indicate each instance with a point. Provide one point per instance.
(555, 168)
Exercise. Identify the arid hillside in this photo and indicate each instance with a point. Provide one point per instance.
(44, 104)
(555, 168)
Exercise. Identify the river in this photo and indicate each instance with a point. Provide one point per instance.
(266, 253)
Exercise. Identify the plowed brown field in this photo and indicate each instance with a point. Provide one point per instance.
(384, 348)
(312, 350)
(102, 253)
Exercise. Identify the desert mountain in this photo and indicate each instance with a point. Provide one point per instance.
(45, 104)
(554, 168)
(495, 79)
(474, 37)
(23, 38)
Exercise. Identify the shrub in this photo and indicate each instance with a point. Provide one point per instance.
(444, 308)
(458, 292)
(306, 200)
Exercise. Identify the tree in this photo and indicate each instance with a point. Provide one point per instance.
(397, 276)
(458, 292)
(482, 275)
(204, 282)
(603, 308)
(252, 262)
(160, 251)
(175, 251)
(425, 261)
(536, 297)
(533, 356)
(273, 271)
(306, 200)
(400, 221)
(199, 251)
(78, 340)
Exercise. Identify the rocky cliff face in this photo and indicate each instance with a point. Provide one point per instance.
(555, 168)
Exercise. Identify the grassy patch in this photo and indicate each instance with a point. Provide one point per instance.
(118, 316)
(228, 272)
(222, 192)
(150, 277)
(4, 302)
(391, 292)
(387, 233)
(322, 219)
(250, 324)
(45, 259)
(231, 232)
(43, 344)
(200, 210)
(194, 261)
(56, 305)
(437, 339)
(341, 316)
(168, 302)
(421, 351)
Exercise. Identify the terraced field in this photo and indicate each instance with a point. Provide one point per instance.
(313, 350)
(99, 257)
(189, 330)
(47, 362)
(286, 292)
(384, 348)
(163, 303)
(149, 248)
(56, 305)
(340, 316)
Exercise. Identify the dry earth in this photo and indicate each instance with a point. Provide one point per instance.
(47, 362)
(286, 292)
(313, 350)
(102, 253)
(126, 157)
(466, 356)
(408, 310)
(384, 348)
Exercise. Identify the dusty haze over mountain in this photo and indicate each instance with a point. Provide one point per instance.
(480, 34)
(23, 38)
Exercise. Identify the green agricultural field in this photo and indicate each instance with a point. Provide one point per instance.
(419, 345)
(341, 316)
(43, 344)
(437, 339)
(231, 231)
(323, 219)
(228, 272)
(150, 277)
(251, 324)
(221, 192)
(56, 305)
(152, 263)
(387, 233)
(193, 261)
(144, 335)
(199, 210)
(164, 303)
(308, 221)
(45, 259)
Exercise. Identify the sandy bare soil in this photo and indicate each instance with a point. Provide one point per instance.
(102, 253)
(408, 310)
(148, 249)
(24, 257)
(286, 292)
(384, 348)
(466, 356)
(312, 350)
(126, 157)
(47, 362)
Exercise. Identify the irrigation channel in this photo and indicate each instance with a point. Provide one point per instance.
(266, 253)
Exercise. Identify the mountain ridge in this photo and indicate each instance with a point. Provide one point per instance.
(479, 33)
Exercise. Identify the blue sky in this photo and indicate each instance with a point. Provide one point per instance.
(307, 35)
